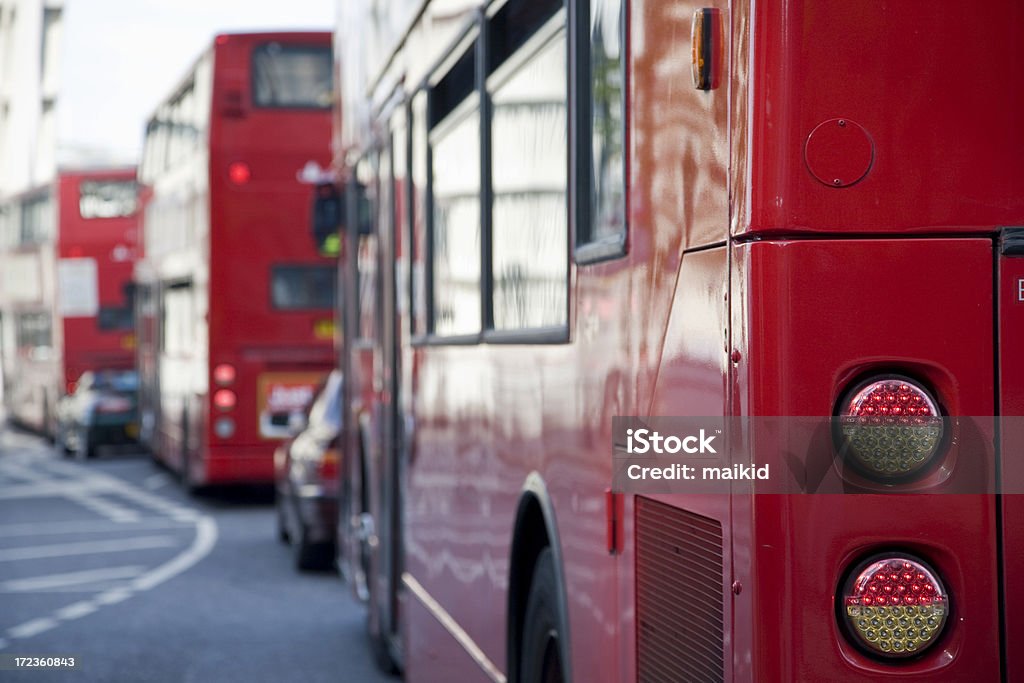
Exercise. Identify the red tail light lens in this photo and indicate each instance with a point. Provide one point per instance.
(224, 399)
(895, 606)
(328, 467)
(889, 428)
(224, 374)
(239, 173)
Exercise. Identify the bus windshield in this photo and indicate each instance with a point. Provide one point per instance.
(296, 76)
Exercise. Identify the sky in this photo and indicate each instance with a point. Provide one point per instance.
(122, 57)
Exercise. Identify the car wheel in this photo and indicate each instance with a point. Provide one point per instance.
(311, 556)
(541, 659)
(62, 439)
(85, 446)
(282, 529)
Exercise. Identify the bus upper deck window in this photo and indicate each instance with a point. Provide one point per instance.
(291, 76)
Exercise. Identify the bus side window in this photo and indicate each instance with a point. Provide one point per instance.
(529, 149)
(601, 79)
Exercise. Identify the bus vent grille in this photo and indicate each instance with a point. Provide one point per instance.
(679, 574)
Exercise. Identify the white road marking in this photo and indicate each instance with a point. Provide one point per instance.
(39, 583)
(155, 481)
(114, 596)
(76, 610)
(86, 548)
(83, 482)
(97, 527)
(32, 628)
(49, 489)
(102, 506)
(206, 538)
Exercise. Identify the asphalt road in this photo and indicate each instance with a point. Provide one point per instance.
(110, 562)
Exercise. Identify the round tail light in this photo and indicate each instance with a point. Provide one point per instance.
(224, 374)
(224, 399)
(889, 428)
(894, 606)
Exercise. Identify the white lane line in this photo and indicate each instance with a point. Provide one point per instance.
(76, 610)
(86, 548)
(203, 543)
(113, 596)
(115, 486)
(112, 511)
(206, 538)
(97, 527)
(40, 583)
(32, 628)
(155, 481)
(49, 489)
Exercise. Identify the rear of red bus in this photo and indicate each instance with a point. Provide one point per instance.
(271, 295)
(874, 257)
(97, 244)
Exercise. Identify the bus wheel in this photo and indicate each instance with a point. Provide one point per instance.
(541, 648)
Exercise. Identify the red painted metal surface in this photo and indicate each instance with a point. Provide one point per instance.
(114, 245)
(933, 91)
(1011, 408)
(837, 322)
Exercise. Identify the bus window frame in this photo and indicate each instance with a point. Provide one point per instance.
(587, 250)
(475, 37)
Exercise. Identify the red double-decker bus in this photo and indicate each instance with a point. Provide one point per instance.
(235, 305)
(787, 212)
(67, 299)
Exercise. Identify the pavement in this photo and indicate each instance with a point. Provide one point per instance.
(110, 562)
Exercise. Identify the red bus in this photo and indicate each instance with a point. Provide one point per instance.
(739, 210)
(68, 293)
(235, 306)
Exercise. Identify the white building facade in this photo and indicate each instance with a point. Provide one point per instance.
(30, 32)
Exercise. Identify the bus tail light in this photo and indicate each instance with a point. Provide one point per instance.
(894, 606)
(889, 428)
(239, 172)
(224, 399)
(224, 374)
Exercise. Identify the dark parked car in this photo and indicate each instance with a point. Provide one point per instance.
(102, 410)
(306, 475)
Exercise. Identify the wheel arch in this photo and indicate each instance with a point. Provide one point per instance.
(535, 528)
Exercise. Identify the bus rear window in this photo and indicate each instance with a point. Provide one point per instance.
(107, 198)
(294, 288)
(294, 76)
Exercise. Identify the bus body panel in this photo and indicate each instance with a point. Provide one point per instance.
(238, 274)
(915, 80)
(1011, 408)
(70, 273)
(112, 243)
(798, 354)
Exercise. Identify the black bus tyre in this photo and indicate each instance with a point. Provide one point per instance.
(541, 658)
